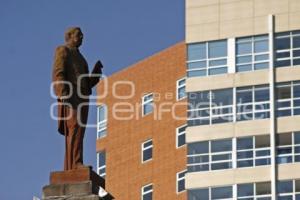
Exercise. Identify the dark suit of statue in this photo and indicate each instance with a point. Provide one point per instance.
(69, 65)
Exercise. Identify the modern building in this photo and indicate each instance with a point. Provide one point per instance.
(140, 147)
(243, 85)
(240, 70)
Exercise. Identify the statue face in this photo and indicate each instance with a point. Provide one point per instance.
(76, 38)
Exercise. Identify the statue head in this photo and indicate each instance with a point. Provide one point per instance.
(74, 36)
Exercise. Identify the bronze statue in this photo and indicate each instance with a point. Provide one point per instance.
(72, 85)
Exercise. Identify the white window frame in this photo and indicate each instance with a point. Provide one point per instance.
(101, 167)
(290, 100)
(234, 159)
(146, 192)
(254, 151)
(235, 192)
(147, 102)
(180, 179)
(290, 50)
(101, 125)
(178, 87)
(253, 103)
(208, 60)
(253, 54)
(210, 109)
(293, 146)
(293, 193)
(146, 148)
(210, 154)
(255, 195)
(179, 134)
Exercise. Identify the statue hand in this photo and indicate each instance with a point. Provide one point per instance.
(99, 66)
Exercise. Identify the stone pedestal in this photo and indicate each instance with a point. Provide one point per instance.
(78, 184)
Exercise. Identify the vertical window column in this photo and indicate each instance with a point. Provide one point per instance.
(101, 163)
(180, 136)
(147, 191)
(147, 104)
(180, 89)
(102, 121)
(147, 151)
(180, 177)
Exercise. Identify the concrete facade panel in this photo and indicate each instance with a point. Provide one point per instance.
(236, 10)
(258, 77)
(288, 171)
(240, 129)
(294, 21)
(202, 32)
(202, 15)
(284, 74)
(227, 130)
(199, 3)
(281, 22)
(236, 28)
(294, 6)
(266, 7)
(227, 177)
(260, 25)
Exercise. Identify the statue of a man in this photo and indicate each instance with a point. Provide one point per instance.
(72, 85)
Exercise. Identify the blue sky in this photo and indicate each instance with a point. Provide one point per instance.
(116, 31)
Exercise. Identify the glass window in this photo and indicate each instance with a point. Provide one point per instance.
(253, 103)
(102, 121)
(222, 106)
(147, 192)
(245, 191)
(288, 148)
(181, 94)
(147, 104)
(297, 146)
(198, 156)
(221, 193)
(262, 150)
(221, 154)
(287, 99)
(245, 152)
(198, 194)
(181, 181)
(210, 155)
(207, 58)
(283, 99)
(287, 49)
(263, 188)
(101, 163)
(284, 186)
(296, 97)
(180, 136)
(210, 107)
(253, 151)
(217, 49)
(287, 189)
(147, 151)
(252, 53)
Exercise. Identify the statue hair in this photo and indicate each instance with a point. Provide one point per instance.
(69, 32)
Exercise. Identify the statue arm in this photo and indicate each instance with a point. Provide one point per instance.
(59, 71)
(96, 74)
